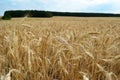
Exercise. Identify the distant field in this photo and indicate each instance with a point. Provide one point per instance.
(60, 48)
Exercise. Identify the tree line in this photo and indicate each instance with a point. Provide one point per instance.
(28, 13)
(46, 14)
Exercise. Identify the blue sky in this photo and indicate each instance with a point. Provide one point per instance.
(106, 6)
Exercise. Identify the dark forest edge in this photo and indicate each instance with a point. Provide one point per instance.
(47, 14)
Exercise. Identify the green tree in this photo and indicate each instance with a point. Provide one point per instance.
(6, 17)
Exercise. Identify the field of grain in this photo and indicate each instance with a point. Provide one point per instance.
(60, 48)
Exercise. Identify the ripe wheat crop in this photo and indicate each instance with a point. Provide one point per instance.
(60, 48)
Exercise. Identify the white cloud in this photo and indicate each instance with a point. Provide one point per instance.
(72, 5)
(20, 0)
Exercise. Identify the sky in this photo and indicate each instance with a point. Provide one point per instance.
(96, 6)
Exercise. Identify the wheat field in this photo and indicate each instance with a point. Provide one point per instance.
(60, 48)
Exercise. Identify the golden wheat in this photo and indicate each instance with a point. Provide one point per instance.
(60, 48)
